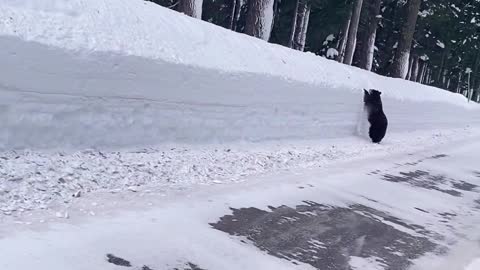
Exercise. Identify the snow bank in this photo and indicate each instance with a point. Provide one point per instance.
(128, 73)
(36, 179)
(474, 265)
(139, 28)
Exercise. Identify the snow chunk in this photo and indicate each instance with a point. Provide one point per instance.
(332, 53)
(424, 57)
(440, 44)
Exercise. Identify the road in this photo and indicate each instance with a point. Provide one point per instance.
(409, 211)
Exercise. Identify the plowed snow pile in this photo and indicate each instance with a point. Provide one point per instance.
(116, 74)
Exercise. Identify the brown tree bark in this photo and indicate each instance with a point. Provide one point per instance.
(192, 8)
(440, 75)
(294, 25)
(476, 66)
(233, 9)
(366, 51)
(415, 68)
(343, 44)
(410, 66)
(303, 17)
(352, 32)
(399, 67)
(238, 9)
(460, 80)
(259, 18)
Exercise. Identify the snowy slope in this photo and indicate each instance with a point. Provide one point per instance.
(139, 28)
(104, 73)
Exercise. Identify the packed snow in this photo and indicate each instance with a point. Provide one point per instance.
(164, 231)
(122, 104)
(332, 53)
(138, 84)
(38, 180)
(440, 44)
(372, 263)
(474, 265)
(144, 29)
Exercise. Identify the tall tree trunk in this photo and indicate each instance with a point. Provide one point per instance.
(410, 66)
(399, 68)
(367, 50)
(305, 28)
(421, 73)
(192, 8)
(303, 17)
(446, 52)
(231, 24)
(259, 18)
(352, 32)
(294, 25)
(476, 65)
(236, 16)
(444, 77)
(428, 75)
(343, 44)
(460, 81)
(415, 67)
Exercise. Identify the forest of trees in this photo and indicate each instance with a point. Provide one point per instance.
(431, 42)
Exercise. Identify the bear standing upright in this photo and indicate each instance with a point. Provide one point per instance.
(376, 117)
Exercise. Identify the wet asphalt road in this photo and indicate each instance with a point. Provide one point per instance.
(327, 236)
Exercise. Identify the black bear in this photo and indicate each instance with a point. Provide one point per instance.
(376, 117)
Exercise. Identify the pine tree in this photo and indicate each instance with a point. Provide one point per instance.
(192, 8)
(365, 52)
(259, 18)
(399, 67)
(301, 25)
(352, 32)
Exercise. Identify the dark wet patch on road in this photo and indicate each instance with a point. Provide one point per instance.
(447, 217)
(477, 203)
(438, 156)
(427, 180)
(413, 163)
(190, 266)
(118, 261)
(421, 210)
(122, 262)
(465, 186)
(326, 236)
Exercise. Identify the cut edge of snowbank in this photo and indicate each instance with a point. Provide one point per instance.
(41, 179)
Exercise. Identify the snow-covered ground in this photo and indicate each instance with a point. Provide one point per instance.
(419, 209)
(92, 102)
(38, 179)
(121, 104)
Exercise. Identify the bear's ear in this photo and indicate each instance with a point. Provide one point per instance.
(366, 92)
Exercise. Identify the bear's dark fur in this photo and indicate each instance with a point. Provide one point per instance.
(376, 117)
